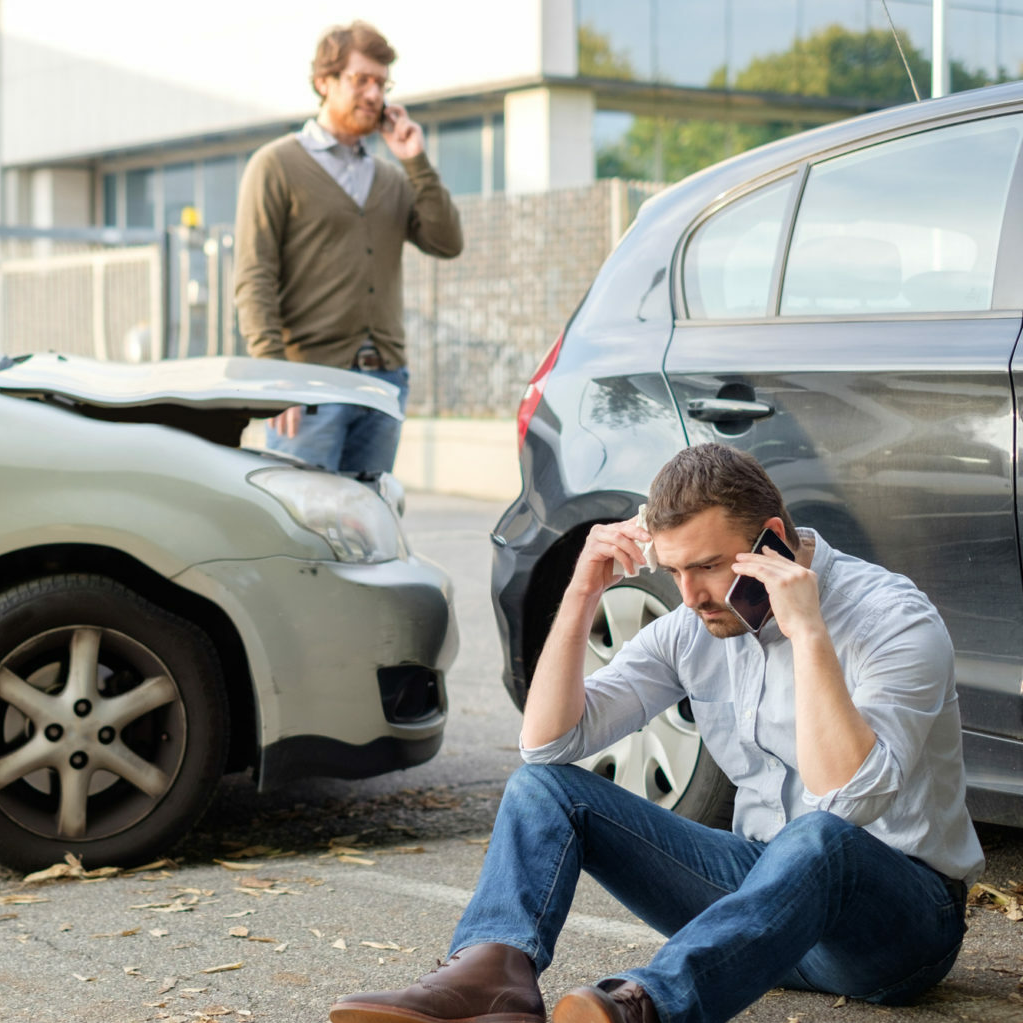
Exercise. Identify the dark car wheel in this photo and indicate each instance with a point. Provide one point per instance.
(666, 760)
(113, 723)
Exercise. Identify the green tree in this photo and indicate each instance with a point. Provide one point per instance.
(832, 62)
(597, 59)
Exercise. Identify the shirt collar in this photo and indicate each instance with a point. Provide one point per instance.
(317, 137)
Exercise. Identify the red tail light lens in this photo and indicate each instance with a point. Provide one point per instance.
(534, 389)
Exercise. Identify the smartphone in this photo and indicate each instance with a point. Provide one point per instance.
(386, 124)
(747, 598)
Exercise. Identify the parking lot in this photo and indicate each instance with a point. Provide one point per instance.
(277, 904)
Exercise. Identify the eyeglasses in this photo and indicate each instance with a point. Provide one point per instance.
(361, 81)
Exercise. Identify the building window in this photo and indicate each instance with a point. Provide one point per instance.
(140, 186)
(110, 200)
(219, 191)
(460, 156)
(497, 129)
(178, 191)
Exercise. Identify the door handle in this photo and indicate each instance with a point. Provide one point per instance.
(727, 410)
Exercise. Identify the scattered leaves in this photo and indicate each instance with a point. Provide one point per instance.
(21, 900)
(70, 868)
(990, 897)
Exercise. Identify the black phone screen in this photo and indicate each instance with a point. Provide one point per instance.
(747, 598)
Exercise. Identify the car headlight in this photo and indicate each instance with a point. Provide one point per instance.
(358, 525)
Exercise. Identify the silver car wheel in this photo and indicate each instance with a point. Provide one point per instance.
(85, 709)
(658, 761)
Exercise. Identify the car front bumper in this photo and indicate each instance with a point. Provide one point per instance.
(347, 661)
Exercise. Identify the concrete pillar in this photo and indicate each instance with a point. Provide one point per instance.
(548, 139)
(61, 197)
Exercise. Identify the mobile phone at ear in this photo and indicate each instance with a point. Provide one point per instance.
(386, 124)
(747, 597)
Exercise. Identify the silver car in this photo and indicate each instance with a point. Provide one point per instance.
(174, 606)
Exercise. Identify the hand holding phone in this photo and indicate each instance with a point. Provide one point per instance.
(747, 597)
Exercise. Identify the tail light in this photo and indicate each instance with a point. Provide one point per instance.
(534, 389)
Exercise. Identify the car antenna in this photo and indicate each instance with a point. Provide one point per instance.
(898, 43)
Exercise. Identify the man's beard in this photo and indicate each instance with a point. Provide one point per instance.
(723, 627)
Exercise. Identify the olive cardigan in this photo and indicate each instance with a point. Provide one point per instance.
(315, 274)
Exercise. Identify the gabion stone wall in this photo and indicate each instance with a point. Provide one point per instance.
(477, 326)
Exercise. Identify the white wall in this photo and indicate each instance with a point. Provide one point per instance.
(83, 77)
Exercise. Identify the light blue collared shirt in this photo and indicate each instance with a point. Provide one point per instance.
(897, 659)
(350, 166)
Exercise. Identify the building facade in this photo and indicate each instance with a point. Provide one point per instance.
(118, 115)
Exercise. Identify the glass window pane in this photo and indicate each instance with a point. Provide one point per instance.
(730, 260)
(219, 190)
(691, 42)
(907, 226)
(140, 186)
(460, 156)
(110, 200)
(615, 39)
(178, 191)
(497, 184)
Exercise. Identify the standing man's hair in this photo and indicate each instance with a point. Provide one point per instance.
(712, 476)
(337, 44)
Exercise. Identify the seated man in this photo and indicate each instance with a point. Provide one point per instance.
(851, 851)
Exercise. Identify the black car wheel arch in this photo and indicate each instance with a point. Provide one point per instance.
(113, 723)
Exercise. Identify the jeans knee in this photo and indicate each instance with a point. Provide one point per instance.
(817, 833)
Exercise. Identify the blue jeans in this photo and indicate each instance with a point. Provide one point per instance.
(347, 438)
(824, 906)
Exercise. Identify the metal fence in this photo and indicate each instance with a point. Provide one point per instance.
(476, 326)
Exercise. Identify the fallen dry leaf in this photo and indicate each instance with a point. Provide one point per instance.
(159, 932)
(401, 850)
(169, 983)
(390, 946)
(257, 882)
(84, 980)
(223, 969)
(361, 861)
(118, 934)
(238, 866)
(21, 900)
(341, 944)
(239, 932)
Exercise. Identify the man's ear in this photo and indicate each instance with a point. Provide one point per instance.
(320, 84)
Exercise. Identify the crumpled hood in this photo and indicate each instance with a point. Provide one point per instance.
(212, 396)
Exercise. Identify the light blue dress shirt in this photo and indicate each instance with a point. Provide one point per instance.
(350, 166)
(897, 659)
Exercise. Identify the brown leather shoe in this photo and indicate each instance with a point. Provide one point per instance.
(613, 1001)
(486, 983)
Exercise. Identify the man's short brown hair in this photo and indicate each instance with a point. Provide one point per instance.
(716, 476)
(337, 44)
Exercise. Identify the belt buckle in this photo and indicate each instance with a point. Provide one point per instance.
(368, 358)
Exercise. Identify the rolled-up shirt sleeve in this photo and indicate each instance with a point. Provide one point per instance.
(902, 683)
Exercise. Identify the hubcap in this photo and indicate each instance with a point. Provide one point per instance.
(657, 761)
(92, 733)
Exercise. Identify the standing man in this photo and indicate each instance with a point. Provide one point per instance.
(319, 236)
(847, 867)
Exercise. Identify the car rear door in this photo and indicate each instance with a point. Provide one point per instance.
(852, 323)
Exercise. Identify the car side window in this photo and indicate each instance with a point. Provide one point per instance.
(730, 259)
(907, 226)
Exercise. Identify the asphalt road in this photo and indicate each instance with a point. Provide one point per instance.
(277, 904)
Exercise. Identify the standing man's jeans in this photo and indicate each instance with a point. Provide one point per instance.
(824, 906)
(347, 438)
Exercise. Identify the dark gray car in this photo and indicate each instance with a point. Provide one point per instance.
(846, 305)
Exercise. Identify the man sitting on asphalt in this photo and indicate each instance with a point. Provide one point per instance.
(851, 851)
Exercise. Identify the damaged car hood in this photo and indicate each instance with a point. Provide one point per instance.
(211, 396)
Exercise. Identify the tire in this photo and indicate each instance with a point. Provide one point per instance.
(113, 724)
(665, 761)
